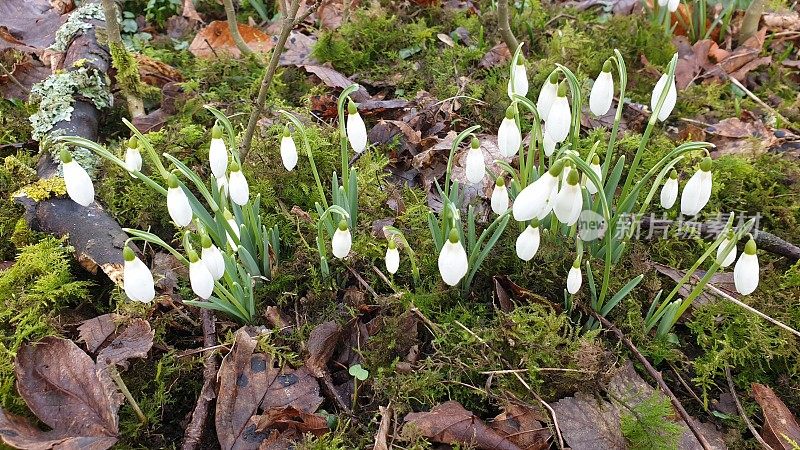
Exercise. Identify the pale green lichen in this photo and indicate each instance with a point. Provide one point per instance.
(43, 189)
(78, 21)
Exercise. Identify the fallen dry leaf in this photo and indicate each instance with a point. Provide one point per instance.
(450, 423)
(24, 71)
(588, 423)
(780, 425)
(382, 436)
(321, 345)
(522, 426)
(172, 94)
(134, 342)
(155, 72)
(498, 55)
(735, 136)
(291, 419)
(32, 23)
(334, 79)
(215, 39)
(297, 50)
(722, 280)
(94, 332)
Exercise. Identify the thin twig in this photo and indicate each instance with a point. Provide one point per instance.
(741, 410)
(14, 79)
(749, 308)
(547, 406)
(761, 102)
(112, 371)
(233, 28)
(194, 431)
(362, 281)
(504, 19)
(653, 373)
(686, 385)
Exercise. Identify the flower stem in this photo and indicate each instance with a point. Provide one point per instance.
(112, 371)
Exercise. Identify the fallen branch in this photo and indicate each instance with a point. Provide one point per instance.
(194, 431)
(653, 373)
(742, 412)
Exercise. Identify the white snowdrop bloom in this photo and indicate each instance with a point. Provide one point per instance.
(499, 200)
(569, 201)
(178, 203)
(662, 2)
(288, 150)
(669, 100)
(199, 277)
(745, 273)
(547, 95)
(237, 185)
(212, 258)
(672, 5)
(509, 137)
(548, 143)
(534, 199)
(520, 81)
(342, 240)
(669, 193)
(235, 227)
(223, 185)
(476, 166)
(697, 191)
(453, 264)
(528, 243)
(559, 118)
(595, 166)
(136, 278)
(218, 153)
(356, 130)
(602, 93)
(79, 185)
(133, 157)
(574, 277)
(392, 258)
(726, 259)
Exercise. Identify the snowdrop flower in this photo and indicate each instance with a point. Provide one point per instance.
(669, 193)
(235, 227)
(574, 277)
(356, 130)
(212, 258)
(520, 82)
(217, 153)
(342, 240)
(509, 137)
(133, 158)
(548, 143)
(745, 273)
(476, 166)
(79, 186)
(669, 100)
(697, 190)
(180, 211)
(569, 201)
(602, 91)
(535, 199)
(595, 166)
(237, 184)
(392, 257)
(547, 95)
(726, 259)
(672, 5)
(499, 199)
(288, 150)
(223, 185)
(559, 117)
(528, 242)
(136, 278)
(453, 264)
(199, 277)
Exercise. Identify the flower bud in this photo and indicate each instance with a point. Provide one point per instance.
(79, 185)
(392, 257)
(136, 278)
(342, 240)
(356, 130)
(453, 263)
(745, 273)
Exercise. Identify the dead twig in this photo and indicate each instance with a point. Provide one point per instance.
(741, 410)
(194, 431)
(505, 26)
(233, 28)
(653, 374)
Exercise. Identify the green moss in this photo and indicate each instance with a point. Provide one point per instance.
(44, 188)
(647, 426)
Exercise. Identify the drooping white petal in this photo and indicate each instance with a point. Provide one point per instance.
(696, 193)
(549, 201)
(723, 259)
(453, 264)
(499, 199)
(602, 94)
(669, 193)
(559, 119)
(79, 186)
(133, 160)
(214, 262)
(239, 190)
(356, 132)
(476, 166)
(533, 199)
(548, 143)
(520, 82)
(588, 182)
(673, 5)
(201, 280)
(546, 97)
(662, 2)
(745, 273)
(138, 281)
(669, 100)
(509, 137)
(392, 260)
(528, 243)
(574, 280)
(568, 203)
(288, 152)
(218, 157)
(222, 185)
(178, 207)
(341, 243)
(236, 231)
